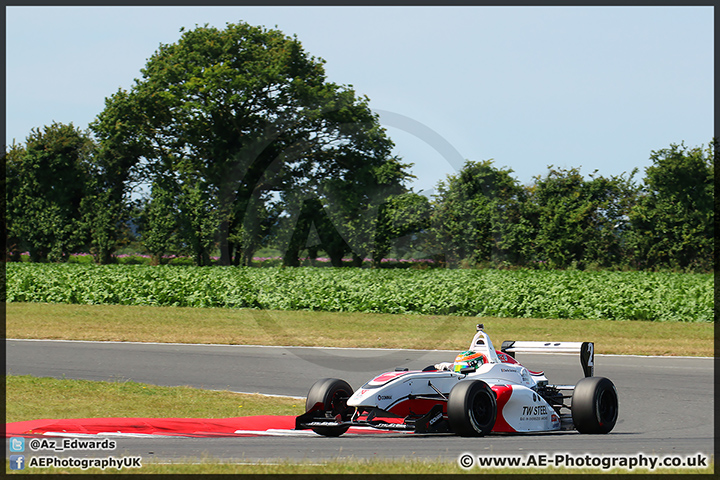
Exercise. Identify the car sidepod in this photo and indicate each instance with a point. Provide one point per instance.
(405, 393)
(521, 409)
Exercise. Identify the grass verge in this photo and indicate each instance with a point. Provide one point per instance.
(270, 327)
(32, 398)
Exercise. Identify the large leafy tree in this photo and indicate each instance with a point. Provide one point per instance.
(400, 218)
(342, 210)
(159, 220)
(12, 209)
(241, 111)
(672, 223)
(311, 228)
(577, 221)
(259, 226)
(47, 183)
(116, 170)
(470, 212)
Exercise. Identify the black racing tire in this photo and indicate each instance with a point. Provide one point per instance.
(594, 405)
(472, 408)
(333, 393)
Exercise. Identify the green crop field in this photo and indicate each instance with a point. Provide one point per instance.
(570, 294)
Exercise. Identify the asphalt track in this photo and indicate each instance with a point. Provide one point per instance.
(666, 403)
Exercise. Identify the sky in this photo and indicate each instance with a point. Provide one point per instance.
(594, 88)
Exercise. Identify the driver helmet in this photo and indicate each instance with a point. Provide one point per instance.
(468, 359)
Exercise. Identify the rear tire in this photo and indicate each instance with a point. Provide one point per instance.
(594, 405)
(471, 408)
(333, 393)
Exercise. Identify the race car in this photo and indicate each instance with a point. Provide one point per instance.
(482, 391)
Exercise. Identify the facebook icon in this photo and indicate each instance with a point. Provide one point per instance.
(17, 462)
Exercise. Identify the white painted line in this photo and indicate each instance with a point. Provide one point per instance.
(272, 432)
(355, 349)
(277, 433)
(225, 345)
(272, 395)
(106, 434)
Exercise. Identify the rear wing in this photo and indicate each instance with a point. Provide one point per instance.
(585, 349)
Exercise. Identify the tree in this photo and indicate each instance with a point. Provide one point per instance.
(102, 216)
(159, 223)
(120, 149)
(13, 209)
(313, 228)
(198, 221)
(242, 111)
(577, 221)
(672, 223)
(49, 182)
(400, 216)
(470, 210)
(259, 225)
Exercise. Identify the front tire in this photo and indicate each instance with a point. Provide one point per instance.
(471, 408)
(594, 405)
(333, 393)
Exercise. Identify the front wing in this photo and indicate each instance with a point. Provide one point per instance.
(432, 422)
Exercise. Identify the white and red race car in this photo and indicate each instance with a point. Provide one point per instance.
(483, 391)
